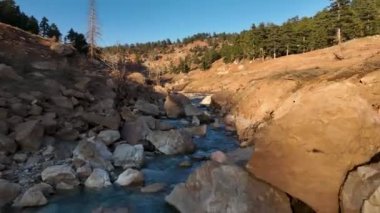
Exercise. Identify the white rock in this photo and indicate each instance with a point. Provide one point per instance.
(99, 178)
(129, 177)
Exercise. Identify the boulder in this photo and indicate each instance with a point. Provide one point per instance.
(175, 105)
(45, 188)
(135, 131)
(359, 187)
(7, 144)
(63, 102)
(130, 177)
(171, 142)
(137, 77)
(83, 172)
(8, 191)
(8, 73)
(111, 122)
(128, 156)
(214, 188)
(147, 108)
(109, 136)
(67, 134)
(191, 110)
(152, 188)
(219, 157)
(99, 178)
(19, 109)
(61, 176)
(314, 138)
(29, 135)
(4, 127)
(95, 153)
(372, 205)
(31, 198)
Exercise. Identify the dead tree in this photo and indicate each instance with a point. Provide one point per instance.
(93, 29)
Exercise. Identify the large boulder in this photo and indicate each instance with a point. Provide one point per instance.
(60, 176)
(135, 131)
(31, 198)
(226, 188)
(372, 205)
(8, 191)
(99, 178)
(147, 108)
(7, 144)
(128, 156)
(175, 105)
(29, 135)
(171, 142)
(95, 153)
(130, 177)
(313, 139)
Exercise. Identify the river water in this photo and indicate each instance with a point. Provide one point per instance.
(156, 169)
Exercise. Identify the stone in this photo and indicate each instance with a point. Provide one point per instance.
(130, 177)
(95, 153)
(45, 188)
(31, 198)
(99, 178)
(136, 131)
(8, 73)
(171, 142)
(147, 108)
(206, 101)
(62, 101)
(217, 187)
(7, 144)
(35, 110)
(19, 109)
(195, 131)
(128, 156)
(83, 172)
(175, 105)
(219, 157)
(319, 134)
(60, 176)
(137, 77)
(372, 205)
(45, 65)
(20, 157)
(3, 113)
(109, 136)
(63, 49)
(195, 121)
(8, 191)
(111, 122)
(29, 135)
(49, 122)
(153, 188)
(191, 110)
(67, 134)
(4, 129)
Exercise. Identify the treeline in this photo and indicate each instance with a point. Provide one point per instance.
(11, 14)
(355, 19)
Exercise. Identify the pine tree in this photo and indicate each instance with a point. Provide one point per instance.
(44, 27)
(32, 25)
(368, 15)
(54, 32)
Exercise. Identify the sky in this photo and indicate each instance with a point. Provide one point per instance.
(131, 21)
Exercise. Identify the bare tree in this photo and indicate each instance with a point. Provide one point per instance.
(93, 28)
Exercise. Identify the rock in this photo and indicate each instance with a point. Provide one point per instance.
(372, 205)
(61, 176)
(111, 122)
(84, 172)
(20, 157)
(358, 187)
(31, 198)
(171, 142)
(8, 73)
(48, 151)
(191, 110)
(137, 77)
(19, 109)
(175, 105)
(160, 90)
(99, 178)
(109, 136)
(35, 110)
(95, 153)
(29, 135)
(164, 126)
(205, 118)
(45, 188)
(3, 113)
(128, 156)
(49, 122)
(147, 108)
(195, 131)
(67, 134)
(45, 65)
(152, 188)
(63, 49)
(62, 101)
(8, 191)
(326, 127)
(3, 127)
(214, 188)
(7, 144)
(136, 131)
(206, 101)
(195, 121)
(219, 157)
(130, 177)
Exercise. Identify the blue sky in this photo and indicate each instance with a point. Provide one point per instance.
(130, 21)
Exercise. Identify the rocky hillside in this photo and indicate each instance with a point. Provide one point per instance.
(313, 119)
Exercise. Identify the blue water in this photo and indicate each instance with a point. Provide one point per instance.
(157, 169)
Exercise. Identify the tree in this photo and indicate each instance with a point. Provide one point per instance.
(368, 14)
(54, 32)
(32, 25)
(93, 28)
(78, 40)
(44, 27)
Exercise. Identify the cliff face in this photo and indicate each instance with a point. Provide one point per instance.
(312, 117)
